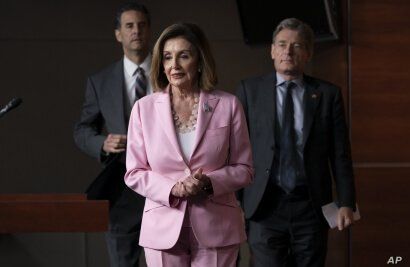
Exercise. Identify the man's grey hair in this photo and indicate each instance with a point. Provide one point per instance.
(304, 30)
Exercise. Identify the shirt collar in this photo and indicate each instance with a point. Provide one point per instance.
(299, 80)
(130, 67)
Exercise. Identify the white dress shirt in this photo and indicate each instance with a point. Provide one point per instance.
(130, 79)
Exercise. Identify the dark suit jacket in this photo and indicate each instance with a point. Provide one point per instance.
(104, 112)
(103, 109)
(326, 146)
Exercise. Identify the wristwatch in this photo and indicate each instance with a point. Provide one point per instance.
(208, 189)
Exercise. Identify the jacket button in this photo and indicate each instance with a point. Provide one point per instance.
(187, 171)
(267, 171)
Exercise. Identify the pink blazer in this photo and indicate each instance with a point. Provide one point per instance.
(155, 163)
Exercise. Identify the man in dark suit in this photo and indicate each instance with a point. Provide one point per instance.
(101, 131)
(300, 143)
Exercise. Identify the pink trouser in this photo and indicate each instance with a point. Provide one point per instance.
(188, 252)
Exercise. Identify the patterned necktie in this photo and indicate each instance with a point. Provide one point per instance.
(288, 167)
(140, 84)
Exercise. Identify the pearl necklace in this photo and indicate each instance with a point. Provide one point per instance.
(188, 126)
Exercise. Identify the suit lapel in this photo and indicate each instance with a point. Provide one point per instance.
(312, 99)
(163, 110)
(206, 109)
(267, 103)
(115, 86)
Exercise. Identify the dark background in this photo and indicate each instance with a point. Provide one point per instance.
(48, 47)
(319, 14)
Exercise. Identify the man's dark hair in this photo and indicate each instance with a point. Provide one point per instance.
(131, 6)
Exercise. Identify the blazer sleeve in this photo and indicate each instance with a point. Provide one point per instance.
(139, 176)
(88, 131)
(340, 156)
(238, 171)
(241, 94)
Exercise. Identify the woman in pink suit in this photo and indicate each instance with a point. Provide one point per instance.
(188, 152)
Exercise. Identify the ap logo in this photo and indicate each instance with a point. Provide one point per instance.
(394, 260)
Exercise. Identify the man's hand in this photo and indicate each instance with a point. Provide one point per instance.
(344, 218)
(115, 143)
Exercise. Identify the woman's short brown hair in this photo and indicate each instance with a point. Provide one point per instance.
(206, 64)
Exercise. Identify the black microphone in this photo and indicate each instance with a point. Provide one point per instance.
(12, 104)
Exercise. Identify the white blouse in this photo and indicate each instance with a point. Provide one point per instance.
(186, 141)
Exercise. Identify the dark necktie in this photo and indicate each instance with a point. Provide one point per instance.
(288, 154)
(140, 84)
